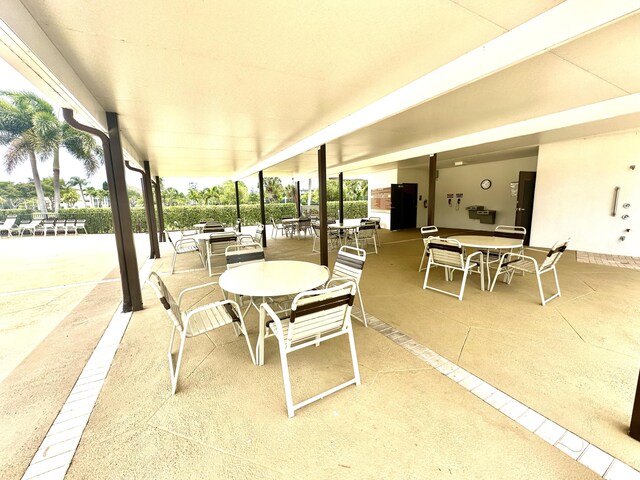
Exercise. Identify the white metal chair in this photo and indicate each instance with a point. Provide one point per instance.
(8, 225)
(449, 254)
(184, 245)
(243, 254)
(377, 221)
(255, 238)
(217, 246)
(349, 266)
(47, 225)
(70, 227)
(366, 233)
(80, 225)
(316, 316)
(29, 226)
(277, 227)
(196, 321)
(506, 231)
(515, 262)
(426, 233)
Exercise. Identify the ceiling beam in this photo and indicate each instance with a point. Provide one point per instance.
(607, 109)
(561, 24)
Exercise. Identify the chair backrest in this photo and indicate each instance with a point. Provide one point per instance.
(237, 255)
(70, 222)
(304, 223)
(167, 300)
(349, 263)
(219, 243)
(508, 231)
(366, 230)
(428, 232)
(554, 254)
(212, 227)
(446, 252)
(9, 221)
(257, 237)
(320, 311)
(49, 222)
(80, 223)
(375, 220)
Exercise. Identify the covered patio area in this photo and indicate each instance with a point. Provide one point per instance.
(421, 411)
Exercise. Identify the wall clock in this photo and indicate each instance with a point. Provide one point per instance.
(485, 184)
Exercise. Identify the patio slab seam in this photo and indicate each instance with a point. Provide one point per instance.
(54, 455)
(589, 455)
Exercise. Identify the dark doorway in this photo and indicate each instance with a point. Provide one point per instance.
(404, 204)
(524, 206)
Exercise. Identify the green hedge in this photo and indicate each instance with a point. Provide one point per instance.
(99, 220)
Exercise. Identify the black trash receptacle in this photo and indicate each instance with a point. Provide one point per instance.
(486, 216)
(473, 210)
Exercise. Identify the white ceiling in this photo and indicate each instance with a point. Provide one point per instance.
(214, 88)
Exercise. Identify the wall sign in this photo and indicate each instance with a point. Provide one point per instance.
(381, 199)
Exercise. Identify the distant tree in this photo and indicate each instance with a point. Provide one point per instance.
(193, 195)
(228, 193)
(80, 183)
(135, 197)
(291, 193)
(171, 197)
(273, 190)
(253, 197)
(210, 196)
(101, 196)
(355, 189)
(69, 196)
(19, 114)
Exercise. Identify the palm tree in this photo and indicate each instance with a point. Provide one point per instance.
(79, 182)
(19, 113)
(54, 135)
(273, 190)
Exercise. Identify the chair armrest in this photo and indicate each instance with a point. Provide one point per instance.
(509, 256)
(191, 289)
(187, 240)
(266, 310)
(189, 313)
(469, 257)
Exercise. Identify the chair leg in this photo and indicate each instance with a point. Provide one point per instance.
(286, 379)
(243, 329)
(464, 281)
(174, 370)
(173, 262)
(364, 316)
(426, 276)
(354, 358)
(424, 253)
(540, 288)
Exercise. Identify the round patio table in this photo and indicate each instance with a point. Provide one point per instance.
(272, 279)
(487, 243)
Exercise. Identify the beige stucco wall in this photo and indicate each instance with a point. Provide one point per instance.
(466, 180)
(574, 194)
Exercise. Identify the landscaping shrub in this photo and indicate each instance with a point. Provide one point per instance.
(99, 220)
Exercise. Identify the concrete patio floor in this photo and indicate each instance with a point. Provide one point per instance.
(575, 361)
